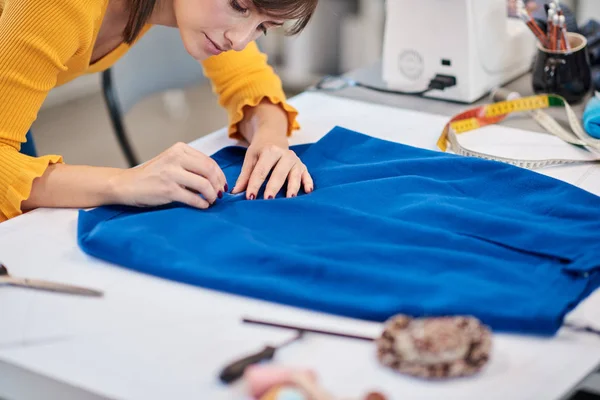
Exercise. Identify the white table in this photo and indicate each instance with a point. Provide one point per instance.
(150, 338)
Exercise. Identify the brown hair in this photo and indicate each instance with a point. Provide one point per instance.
(299, 10)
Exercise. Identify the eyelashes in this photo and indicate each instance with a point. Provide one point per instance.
(235, 4)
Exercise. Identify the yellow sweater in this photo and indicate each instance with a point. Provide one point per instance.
(44, 44)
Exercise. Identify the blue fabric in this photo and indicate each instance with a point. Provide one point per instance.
(389, 229)
(28, 148)
(591, 117)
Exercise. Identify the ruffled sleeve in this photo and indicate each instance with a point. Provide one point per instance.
(243, 79)
(16, 178)
(37, 40)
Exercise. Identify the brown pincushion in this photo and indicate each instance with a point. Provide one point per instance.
(435, 348)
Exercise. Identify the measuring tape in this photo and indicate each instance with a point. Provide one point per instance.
(494, 113)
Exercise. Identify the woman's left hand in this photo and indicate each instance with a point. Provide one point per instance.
(271, 154)
(264, 126)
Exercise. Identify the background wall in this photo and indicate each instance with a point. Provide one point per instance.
(587, 9)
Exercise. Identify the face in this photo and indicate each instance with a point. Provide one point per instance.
(209, 27)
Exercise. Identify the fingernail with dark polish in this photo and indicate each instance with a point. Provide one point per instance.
(226, 188)
(252, 197)
(220, 194)
(270, 197)
(293, 195)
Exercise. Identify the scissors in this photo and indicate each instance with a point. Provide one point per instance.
(6, 279)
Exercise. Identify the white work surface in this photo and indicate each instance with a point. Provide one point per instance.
(150, 338)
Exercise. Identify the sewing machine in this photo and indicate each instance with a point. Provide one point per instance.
(473, 40)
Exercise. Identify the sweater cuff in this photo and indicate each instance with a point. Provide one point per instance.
(17, 173)
(236, 114)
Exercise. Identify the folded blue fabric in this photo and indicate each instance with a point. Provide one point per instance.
(389, 229)
(591, 117)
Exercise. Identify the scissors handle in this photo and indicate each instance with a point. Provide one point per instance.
(50, 286)
(235, 370)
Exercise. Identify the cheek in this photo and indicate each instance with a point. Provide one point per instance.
(197, 17)
(203, 15)
(194, 44)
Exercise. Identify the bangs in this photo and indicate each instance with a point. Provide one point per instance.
(299, 11)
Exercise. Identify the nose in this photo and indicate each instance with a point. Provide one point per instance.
(239, 36)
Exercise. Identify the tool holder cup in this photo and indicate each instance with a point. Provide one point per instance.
(562, 72)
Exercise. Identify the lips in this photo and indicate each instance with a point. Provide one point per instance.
(211, 47)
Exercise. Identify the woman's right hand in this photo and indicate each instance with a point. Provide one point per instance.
(179, 174)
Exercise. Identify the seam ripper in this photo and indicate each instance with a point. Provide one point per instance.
(234, 371)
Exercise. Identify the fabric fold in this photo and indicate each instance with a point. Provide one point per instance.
(390, 229)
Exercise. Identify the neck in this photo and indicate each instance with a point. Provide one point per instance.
(115, 19)
(163, 14)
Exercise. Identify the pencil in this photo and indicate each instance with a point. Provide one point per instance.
(533, 27)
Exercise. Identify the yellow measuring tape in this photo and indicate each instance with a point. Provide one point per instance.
(494, 113)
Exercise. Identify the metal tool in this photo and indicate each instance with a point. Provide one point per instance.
(236, 369)
(6, 279)
(308, 330)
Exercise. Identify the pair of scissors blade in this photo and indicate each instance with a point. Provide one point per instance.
(50, 286)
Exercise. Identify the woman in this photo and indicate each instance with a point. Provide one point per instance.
(44, 44)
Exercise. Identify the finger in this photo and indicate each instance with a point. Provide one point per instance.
(265, 164)
(294, 180)
(205, 167)
(242, 182)
(199, 184)
(185, 196)
(307, 181)
(220, 174)
(280, 175)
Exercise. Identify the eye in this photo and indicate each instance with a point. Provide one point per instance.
(235, 4)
